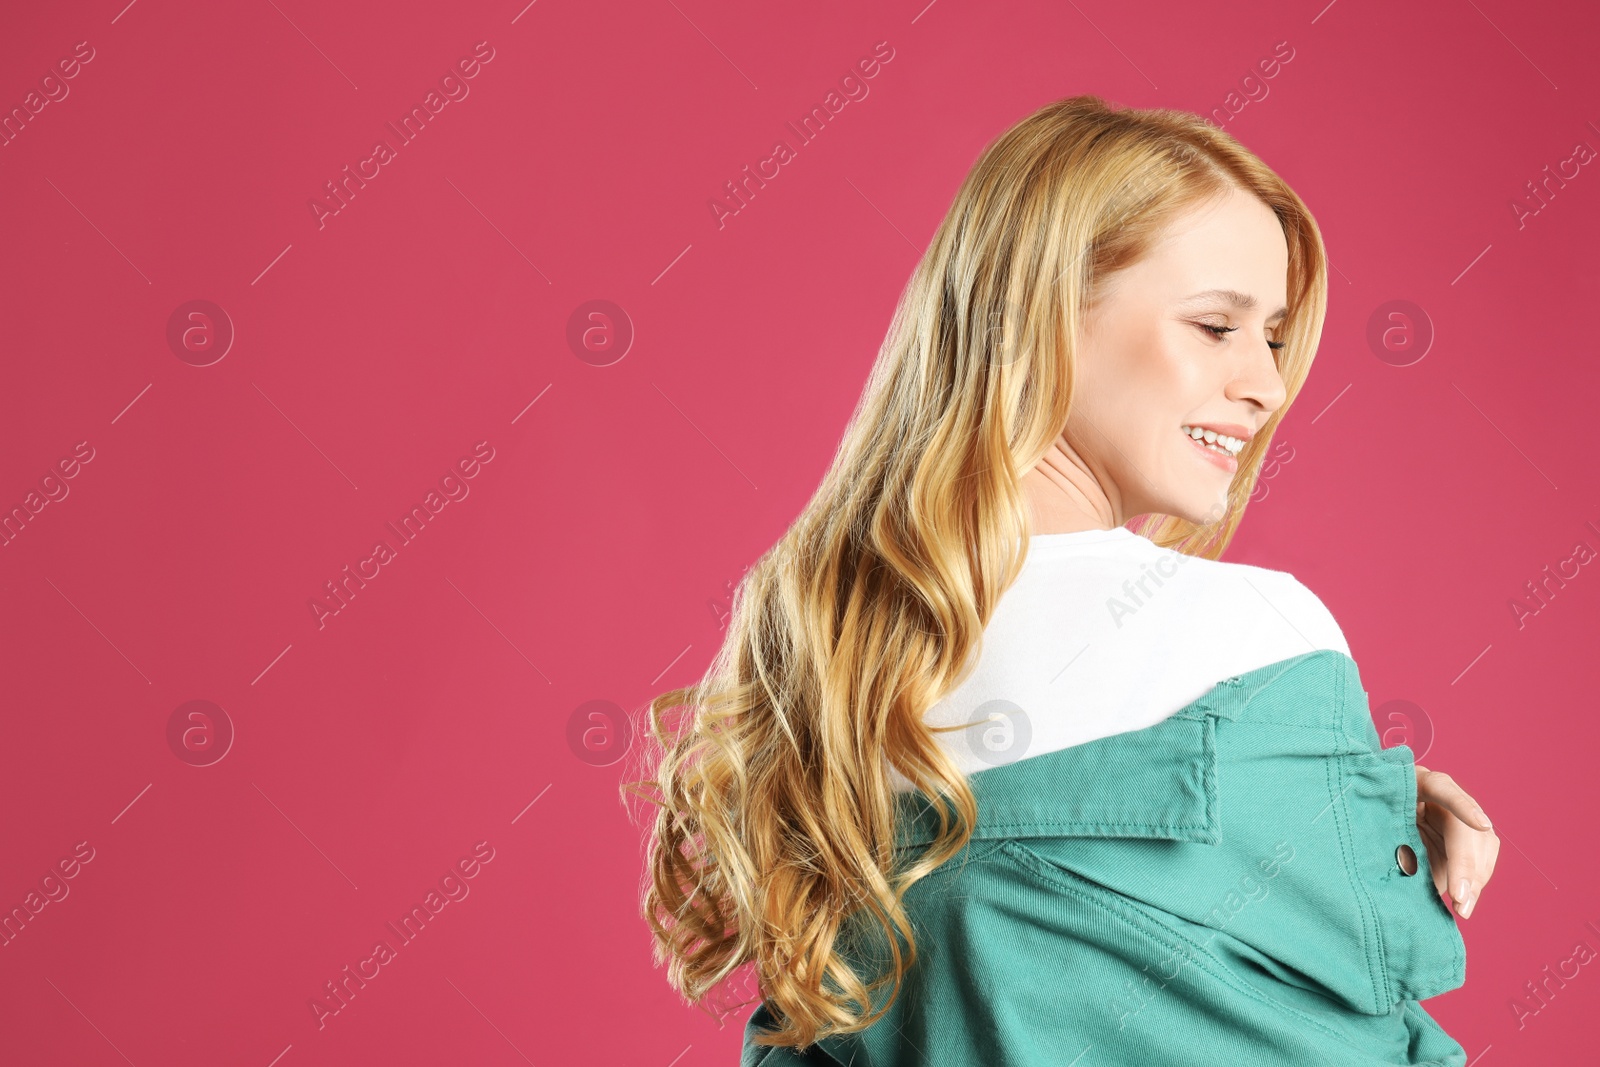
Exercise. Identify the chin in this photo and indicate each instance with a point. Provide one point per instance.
(1201, 511)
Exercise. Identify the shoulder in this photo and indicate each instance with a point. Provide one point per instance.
(1285, 600)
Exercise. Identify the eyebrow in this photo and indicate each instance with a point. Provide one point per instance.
(1240, 300)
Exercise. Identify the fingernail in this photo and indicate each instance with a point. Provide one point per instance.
(1464, 899)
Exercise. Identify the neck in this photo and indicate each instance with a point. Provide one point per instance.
(1064, 496)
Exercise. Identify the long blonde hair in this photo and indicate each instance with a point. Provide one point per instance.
(773, 842)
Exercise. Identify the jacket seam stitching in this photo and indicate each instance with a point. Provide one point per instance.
(1159, 829)
(1050, 824)
(1371, 944)
(958, 863)
(1372, 931)
(1208, 745)
(1317, 728)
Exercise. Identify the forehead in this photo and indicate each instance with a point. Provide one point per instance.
(1230, 247)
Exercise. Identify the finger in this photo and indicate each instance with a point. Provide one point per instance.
(1437, 787)
(1488, 855)
(1466, 853)
(1482, 849)
(1438, 866)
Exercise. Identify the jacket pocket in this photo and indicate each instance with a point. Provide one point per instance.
(1419, 948)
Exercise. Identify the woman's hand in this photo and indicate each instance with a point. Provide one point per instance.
(1462, 846)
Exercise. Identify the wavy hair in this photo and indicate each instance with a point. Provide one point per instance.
(774, 838)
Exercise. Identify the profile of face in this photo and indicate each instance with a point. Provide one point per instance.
(1180, 340)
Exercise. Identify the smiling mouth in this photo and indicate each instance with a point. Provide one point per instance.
(1211, 441)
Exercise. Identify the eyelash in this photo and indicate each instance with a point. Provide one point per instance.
(1219, 331)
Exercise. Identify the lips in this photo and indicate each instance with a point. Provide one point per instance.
(1220, 459)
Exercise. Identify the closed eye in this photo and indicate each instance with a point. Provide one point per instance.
(1221, 331)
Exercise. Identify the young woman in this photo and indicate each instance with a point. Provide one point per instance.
(981, 774)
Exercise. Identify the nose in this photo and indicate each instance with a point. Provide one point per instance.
(1258, 379)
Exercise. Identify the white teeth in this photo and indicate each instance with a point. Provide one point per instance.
(1217, 442)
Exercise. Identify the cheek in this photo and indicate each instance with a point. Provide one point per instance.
(1160, 386)
(1137, 387)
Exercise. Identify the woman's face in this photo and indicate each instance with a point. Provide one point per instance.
(1149, 368)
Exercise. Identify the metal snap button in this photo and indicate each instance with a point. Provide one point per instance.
(1406, 857)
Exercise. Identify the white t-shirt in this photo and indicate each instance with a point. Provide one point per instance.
(1104, 632)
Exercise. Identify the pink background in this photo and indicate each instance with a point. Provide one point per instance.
(591, 557)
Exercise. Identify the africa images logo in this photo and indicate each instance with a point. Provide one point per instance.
(453, 84)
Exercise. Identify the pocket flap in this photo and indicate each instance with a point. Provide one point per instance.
(1155, 782)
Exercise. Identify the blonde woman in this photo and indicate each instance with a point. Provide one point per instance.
(981, 774)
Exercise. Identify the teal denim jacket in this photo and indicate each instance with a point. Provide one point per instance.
(1226, 887)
